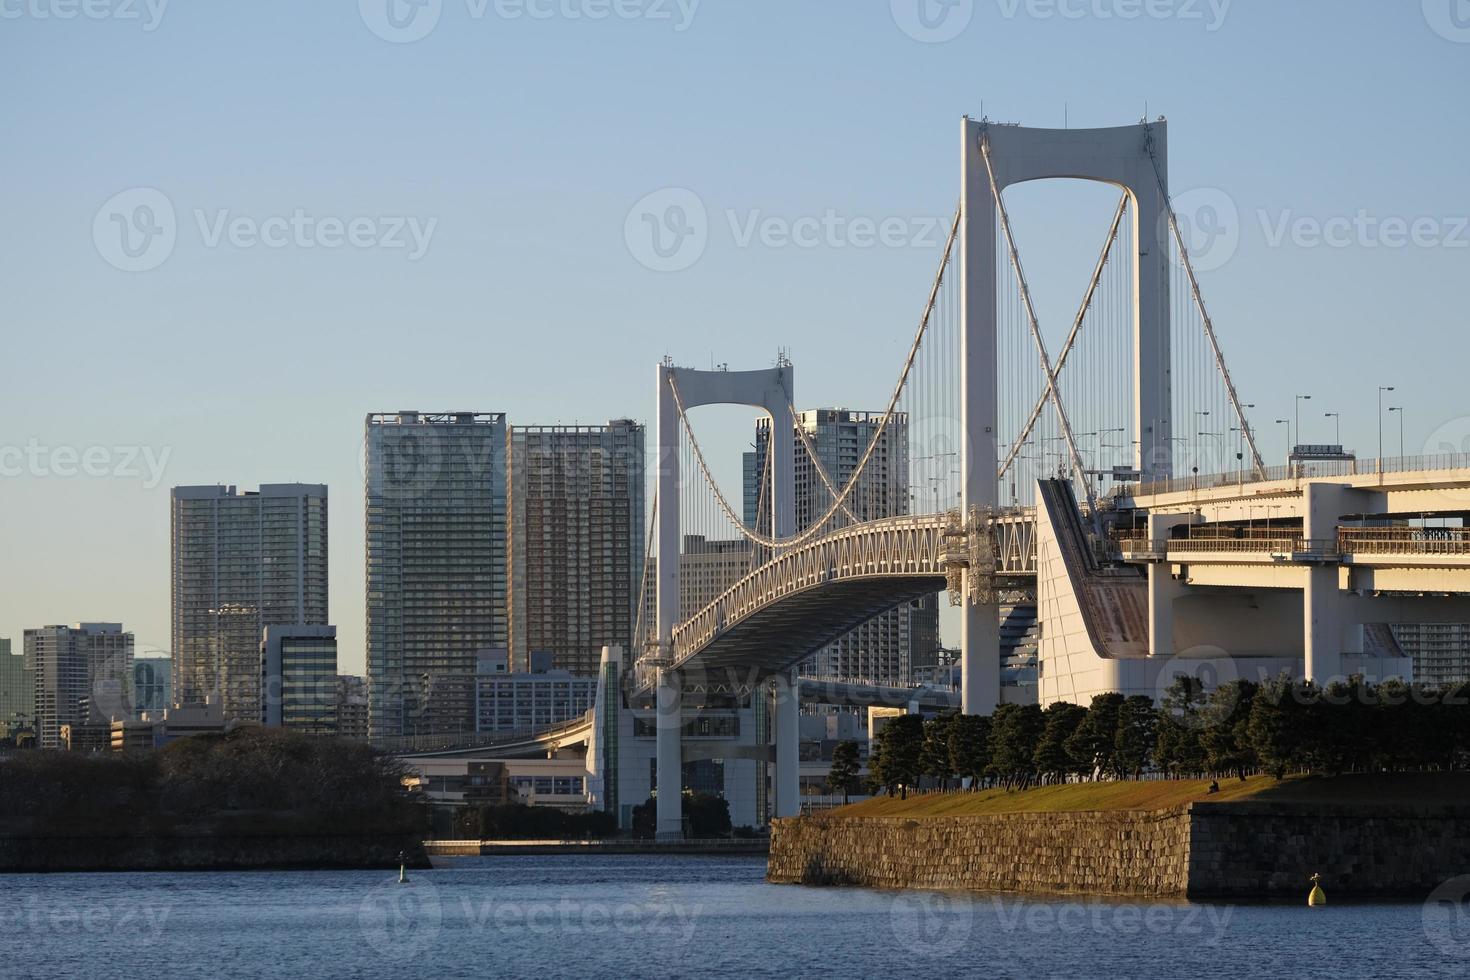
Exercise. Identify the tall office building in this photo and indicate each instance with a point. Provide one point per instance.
(576, 542)
(17, 692)
(241, 562)
(298, 668)
(882, 650)
(81, 675)
(436, 563)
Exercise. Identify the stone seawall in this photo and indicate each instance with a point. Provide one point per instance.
(1242, 851)
(1100, 853)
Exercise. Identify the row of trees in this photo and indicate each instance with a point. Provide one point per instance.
(1279, 726)
(253, 775)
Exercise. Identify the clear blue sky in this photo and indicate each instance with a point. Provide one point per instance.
(528, 140)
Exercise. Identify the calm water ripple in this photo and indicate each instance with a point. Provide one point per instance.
(580, 916)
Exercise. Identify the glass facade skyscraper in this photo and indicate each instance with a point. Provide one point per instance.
(436, 565)
(241, 562)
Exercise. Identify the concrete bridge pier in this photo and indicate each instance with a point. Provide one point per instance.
(1322, 618)
(669, 728)
(1163, 587)
(788, 745)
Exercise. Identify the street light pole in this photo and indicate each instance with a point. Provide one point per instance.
(1287, 423)
(1400, 410)
(1299, 400)
(1381, 390)
(1337, 420)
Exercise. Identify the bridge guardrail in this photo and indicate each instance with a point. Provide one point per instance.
(1297, 471)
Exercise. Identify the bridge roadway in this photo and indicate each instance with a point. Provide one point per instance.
(810, 596)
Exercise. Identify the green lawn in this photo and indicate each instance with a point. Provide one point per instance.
(1405, 788)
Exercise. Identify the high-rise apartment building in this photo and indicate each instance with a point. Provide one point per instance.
(576, 541)
(1441, 651)
(883, 649)
(17, 691)
(241, 562)
(436, 563)
(298, 668)
(352, 707)
(81, 675)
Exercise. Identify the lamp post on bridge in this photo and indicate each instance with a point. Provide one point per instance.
(1400, 410)
(1381, 390)
(1287, 423)
(1337, 422)
(1299, 400)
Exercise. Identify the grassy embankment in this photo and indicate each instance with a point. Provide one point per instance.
(1433, 788)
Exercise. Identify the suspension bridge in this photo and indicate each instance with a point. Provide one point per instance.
(1113, 480)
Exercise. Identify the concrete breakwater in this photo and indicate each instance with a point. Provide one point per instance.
(208, 852)
(1199, 850)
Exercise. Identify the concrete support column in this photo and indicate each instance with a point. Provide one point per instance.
(1322, 621)
(1322, 613)
(788, 746)
(670, 758)
(1163, 587)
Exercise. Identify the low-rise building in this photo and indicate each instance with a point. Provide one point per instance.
(512, 702)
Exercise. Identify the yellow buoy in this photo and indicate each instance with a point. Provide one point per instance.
(1317, 896)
